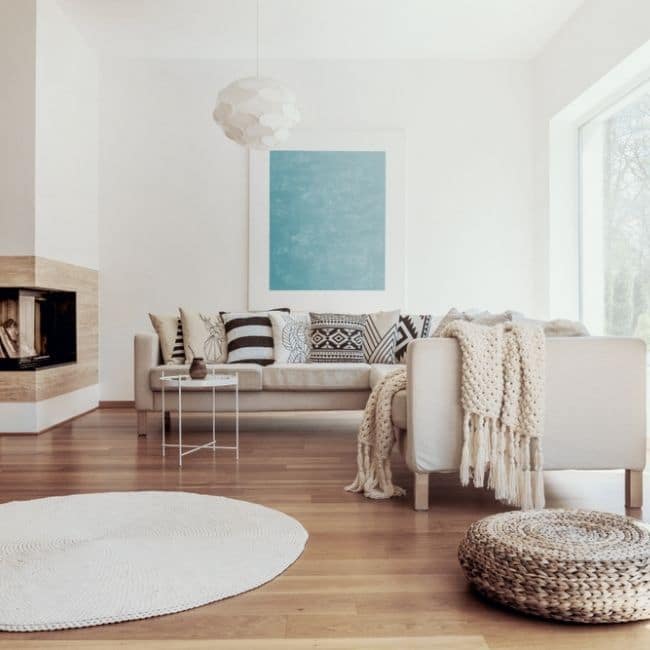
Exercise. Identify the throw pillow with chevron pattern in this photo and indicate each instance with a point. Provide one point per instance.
(410, 326)
(337, 338)
(379, 337)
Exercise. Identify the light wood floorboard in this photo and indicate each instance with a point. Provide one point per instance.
(375, 574)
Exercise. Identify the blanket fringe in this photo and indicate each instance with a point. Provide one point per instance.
(538, 474)
(377, 436)
(512, 464)
(465, 460)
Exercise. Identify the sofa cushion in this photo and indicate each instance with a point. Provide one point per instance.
(316, 376)
(250, 375)
(379, 370)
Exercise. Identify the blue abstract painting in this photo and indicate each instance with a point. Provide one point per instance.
(327, 212)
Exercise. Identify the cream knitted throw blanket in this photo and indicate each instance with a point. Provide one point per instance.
(375, 441)
(502, 396)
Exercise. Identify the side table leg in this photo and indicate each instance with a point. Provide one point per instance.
(180, 425)
(164, 419)
(214, 415)
(237, 418)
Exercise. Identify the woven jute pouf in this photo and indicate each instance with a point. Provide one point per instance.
(568, 565)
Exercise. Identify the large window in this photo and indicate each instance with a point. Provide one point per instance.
(615, 218)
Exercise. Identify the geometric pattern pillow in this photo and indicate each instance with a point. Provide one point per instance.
(205, 336)
(250, 337)
(170, 337)
(410, 327)
(290, 336)
(337, 338)
(379, 337)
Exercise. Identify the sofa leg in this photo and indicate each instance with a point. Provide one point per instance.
(142, 423)
(421, 491)
(633, 488)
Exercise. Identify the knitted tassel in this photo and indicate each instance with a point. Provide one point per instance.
(465, 456)
(512, 467)
(539, 500)
(500, 470)
(363, 463)
(395, 490)
(481, 449)
(525, 487)
(494, 452)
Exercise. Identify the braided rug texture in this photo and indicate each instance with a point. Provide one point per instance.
(568, 565)
(89, 559)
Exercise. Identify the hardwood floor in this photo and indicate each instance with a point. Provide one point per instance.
(373, 575)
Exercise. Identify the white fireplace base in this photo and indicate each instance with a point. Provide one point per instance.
(34, 417)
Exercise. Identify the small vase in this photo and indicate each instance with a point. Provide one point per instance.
(198, 369)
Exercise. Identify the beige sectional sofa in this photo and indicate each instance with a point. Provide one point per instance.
(278, 387)
(595, 401)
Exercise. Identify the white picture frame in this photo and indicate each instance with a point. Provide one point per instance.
(392, 296)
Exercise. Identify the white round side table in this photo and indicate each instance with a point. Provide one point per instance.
(181, 382)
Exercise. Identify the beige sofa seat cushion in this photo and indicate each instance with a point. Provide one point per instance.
(316, 376)
(250, 375)
(379, 370)
(398, 409)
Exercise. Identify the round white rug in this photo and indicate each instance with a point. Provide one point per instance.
(89, 559)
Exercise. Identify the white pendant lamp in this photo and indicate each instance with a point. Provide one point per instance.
(256, 112)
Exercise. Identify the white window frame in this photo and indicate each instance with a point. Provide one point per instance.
(565, 265)
(590, 230)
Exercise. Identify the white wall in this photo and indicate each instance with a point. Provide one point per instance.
(17, 64)
(66, 141)
(173, 190)
(598, 52)
(48, 157)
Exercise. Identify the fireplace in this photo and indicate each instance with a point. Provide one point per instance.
(38, 328)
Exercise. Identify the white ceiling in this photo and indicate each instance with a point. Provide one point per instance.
(321, 29)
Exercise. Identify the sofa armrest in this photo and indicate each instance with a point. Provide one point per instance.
(146, 355)
(433, 410)
(595, 404)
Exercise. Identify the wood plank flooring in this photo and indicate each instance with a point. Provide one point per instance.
(375, 574)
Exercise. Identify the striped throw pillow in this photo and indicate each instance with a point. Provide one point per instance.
(249, 337)
(170, 335)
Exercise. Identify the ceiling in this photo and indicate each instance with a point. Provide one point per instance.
(321, 29)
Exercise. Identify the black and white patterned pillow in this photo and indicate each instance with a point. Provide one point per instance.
(291, 337)
(178, 351)
(249, 337)
(170, 335)
(410, 327)
(337, 338)
(379, 337)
